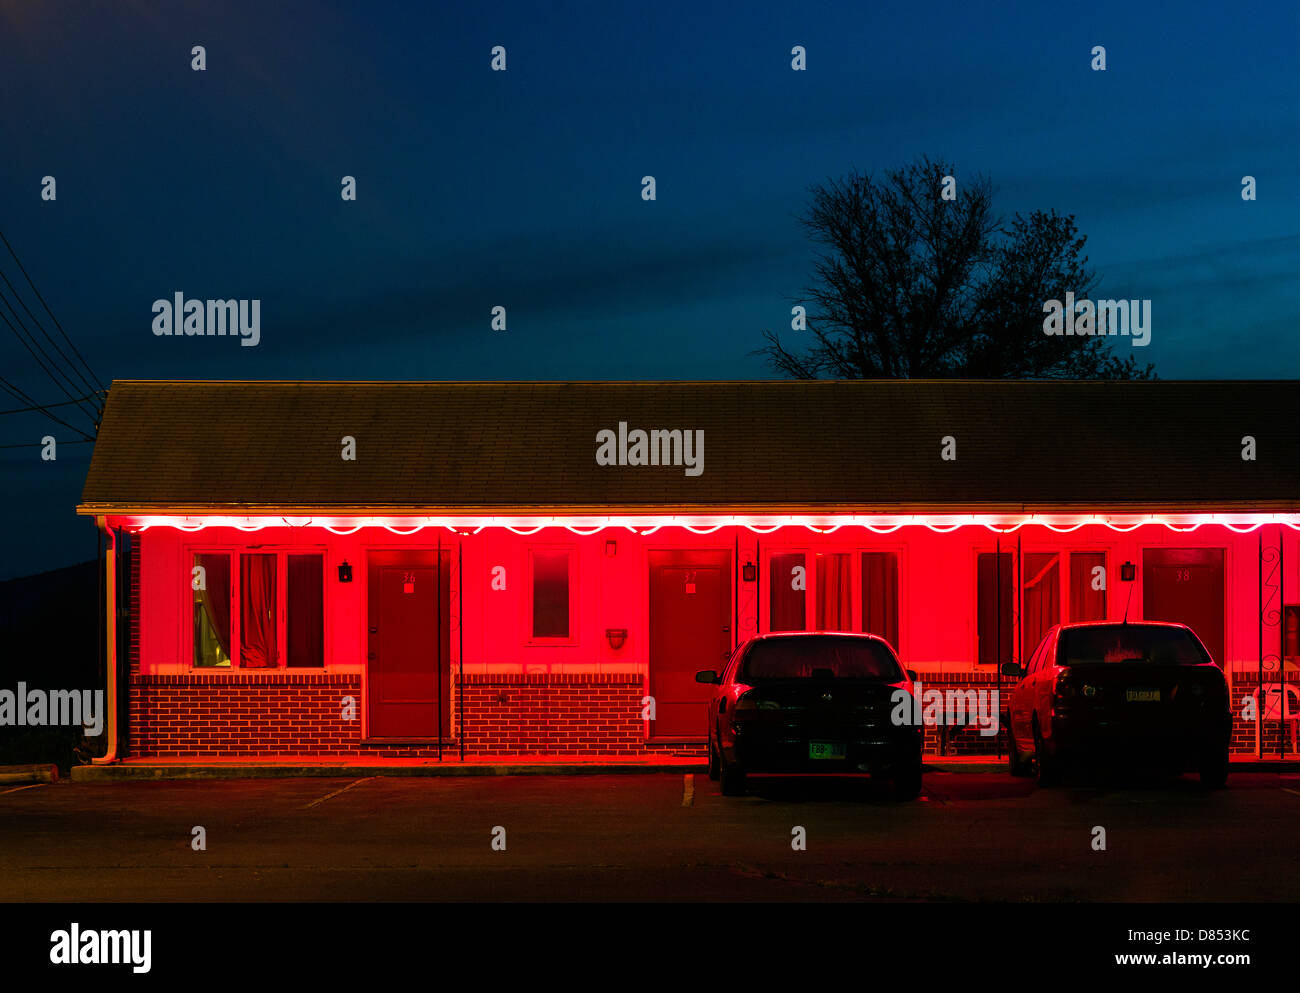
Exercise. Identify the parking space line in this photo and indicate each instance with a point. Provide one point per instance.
(29, 786)
(688, 790)
(329, 796)
(1292, 792)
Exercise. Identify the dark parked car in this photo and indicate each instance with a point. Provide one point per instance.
(1132, 692)
(805, 703)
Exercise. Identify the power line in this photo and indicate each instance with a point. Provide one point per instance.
(48, 364)
(5, 384)
(45, 406)
(68, 393)
(17, 296)
(37, 444)
(88, 403)
(23, 270)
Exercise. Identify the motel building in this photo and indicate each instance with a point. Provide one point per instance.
(462, 571)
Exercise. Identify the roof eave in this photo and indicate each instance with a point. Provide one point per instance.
(651, 509)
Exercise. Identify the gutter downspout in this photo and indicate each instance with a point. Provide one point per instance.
(110, 633)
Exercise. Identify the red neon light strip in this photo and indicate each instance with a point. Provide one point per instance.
(880, 524)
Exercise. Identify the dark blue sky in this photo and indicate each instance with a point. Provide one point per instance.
(522, 188)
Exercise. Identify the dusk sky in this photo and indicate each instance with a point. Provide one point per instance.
(523, 188)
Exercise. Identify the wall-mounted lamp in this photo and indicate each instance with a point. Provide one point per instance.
(611, 548)
(748, 572)
(616, 637)
(345, 572)
(1128, 572)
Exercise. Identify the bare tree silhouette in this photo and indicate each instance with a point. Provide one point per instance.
(913, 285)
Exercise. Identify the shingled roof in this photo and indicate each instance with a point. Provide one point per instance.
(770, 446)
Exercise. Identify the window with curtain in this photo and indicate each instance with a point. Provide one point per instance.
(788, 596)
(1291, 632)
(211, 609)
(834, 592)
(305, 610)
(550, 593)
(258, 623)
(259, 610)
(1086, 603)
(1041, 606)
(994, 607)
(880, 595)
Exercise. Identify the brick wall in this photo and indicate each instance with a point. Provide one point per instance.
(581, 714)
(1275, 733)
(243, 715)
(968, 741)
(965, 740)
(238, 715)
(291, 714)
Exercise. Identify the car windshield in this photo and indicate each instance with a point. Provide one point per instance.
(1130, 643)
(797, 658)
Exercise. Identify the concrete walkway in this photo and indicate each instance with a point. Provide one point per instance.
(294, 768)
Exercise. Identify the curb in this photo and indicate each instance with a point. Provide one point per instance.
(942, 766)
(29, 773)
(1000, 765)
(141, 772)
(114, 773)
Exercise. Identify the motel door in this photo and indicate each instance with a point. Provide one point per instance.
(1186, 585)
(408, 621)
(690, 629)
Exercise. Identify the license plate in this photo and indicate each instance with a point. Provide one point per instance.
(1142, 696)
(825, 750)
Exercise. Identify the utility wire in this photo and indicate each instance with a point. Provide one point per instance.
(37, 444)
(45, 406)
(5, 384)
(23, 270)
(68, 393)
(48, 364)
(17, 296)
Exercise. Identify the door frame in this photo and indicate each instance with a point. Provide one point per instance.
(714, 556)
(396, 553)
(1225, 573)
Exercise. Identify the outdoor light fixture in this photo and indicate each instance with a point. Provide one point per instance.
(345, 572)
(1128, 572)
(616, 637)
(748, 572)
(611, 548)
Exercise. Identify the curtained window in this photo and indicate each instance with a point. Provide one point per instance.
(994, 607)
(305, 616)
(550, 593)
(880, 595)
(1041, 607)
(834, 592)
(211, 609)
(788, 599)
(279, 597)
(1087, 603)
(258, 635)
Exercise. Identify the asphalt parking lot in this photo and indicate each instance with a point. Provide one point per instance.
(649, 837)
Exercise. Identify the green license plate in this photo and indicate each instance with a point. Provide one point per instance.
(1142, 696)
(826, 749)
